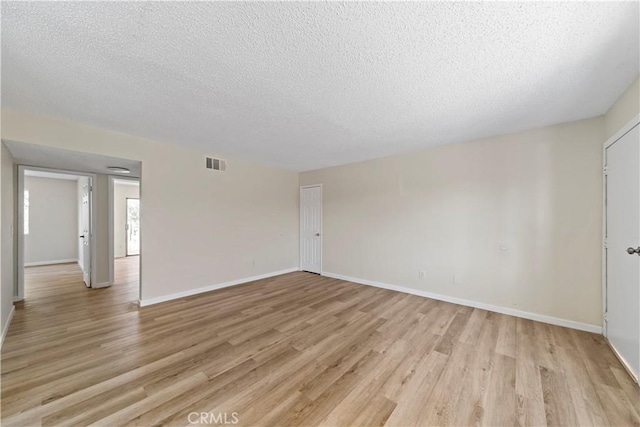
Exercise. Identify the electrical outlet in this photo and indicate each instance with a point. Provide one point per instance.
(421, 274)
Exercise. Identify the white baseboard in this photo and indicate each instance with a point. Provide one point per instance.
(5, 327)
(178, 295)
(58, 261)
(495, 308)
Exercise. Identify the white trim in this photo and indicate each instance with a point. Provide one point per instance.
(5, 328)
(178, 295)
(58, 261)
(495, 308)
(300, 224)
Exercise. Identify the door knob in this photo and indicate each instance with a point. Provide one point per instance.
(632, 251)
(318, 234)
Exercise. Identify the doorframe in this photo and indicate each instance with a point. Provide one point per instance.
(126, 237)
(19, 291)
(300, 225)
(628, 127)
(111, 208)
(608, 143)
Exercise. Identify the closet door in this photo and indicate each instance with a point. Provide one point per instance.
(622, 243)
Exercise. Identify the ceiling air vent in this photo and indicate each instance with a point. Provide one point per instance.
(216, 164)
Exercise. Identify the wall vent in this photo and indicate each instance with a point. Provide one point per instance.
(216, 164)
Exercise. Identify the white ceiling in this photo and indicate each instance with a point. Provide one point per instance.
(304, 85)
(70, 161)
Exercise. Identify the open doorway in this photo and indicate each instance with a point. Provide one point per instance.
(66, 231)
(55, 228)
(125, 212)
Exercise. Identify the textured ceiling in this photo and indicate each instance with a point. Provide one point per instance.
(303, 85)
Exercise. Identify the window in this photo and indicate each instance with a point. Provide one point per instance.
(26, 211)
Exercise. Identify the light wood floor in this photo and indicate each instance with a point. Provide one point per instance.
(297, 349)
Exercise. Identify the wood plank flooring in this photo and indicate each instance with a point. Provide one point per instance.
(295, 350)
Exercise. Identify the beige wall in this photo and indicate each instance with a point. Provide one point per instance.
(6, 222)
(53, 220)
(624, 109)
(203, 227)
(101, 229)
(120, 194)
(516, 218)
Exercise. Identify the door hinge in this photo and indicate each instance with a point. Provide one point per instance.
(604, 243)
(605, 171)
(604, 316)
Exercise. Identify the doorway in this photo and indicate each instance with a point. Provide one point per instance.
(311, 228)
(98, 172)
(125, 245)
(133, 227)
(622, 247)
(56, 222)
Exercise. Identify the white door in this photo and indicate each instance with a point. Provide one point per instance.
(85, 237)
(311, 229)
(622, 325)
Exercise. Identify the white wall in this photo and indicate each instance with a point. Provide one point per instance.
(53, 221)
(6, 236)
(120, 194)
(199, 227)
(449, 210)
